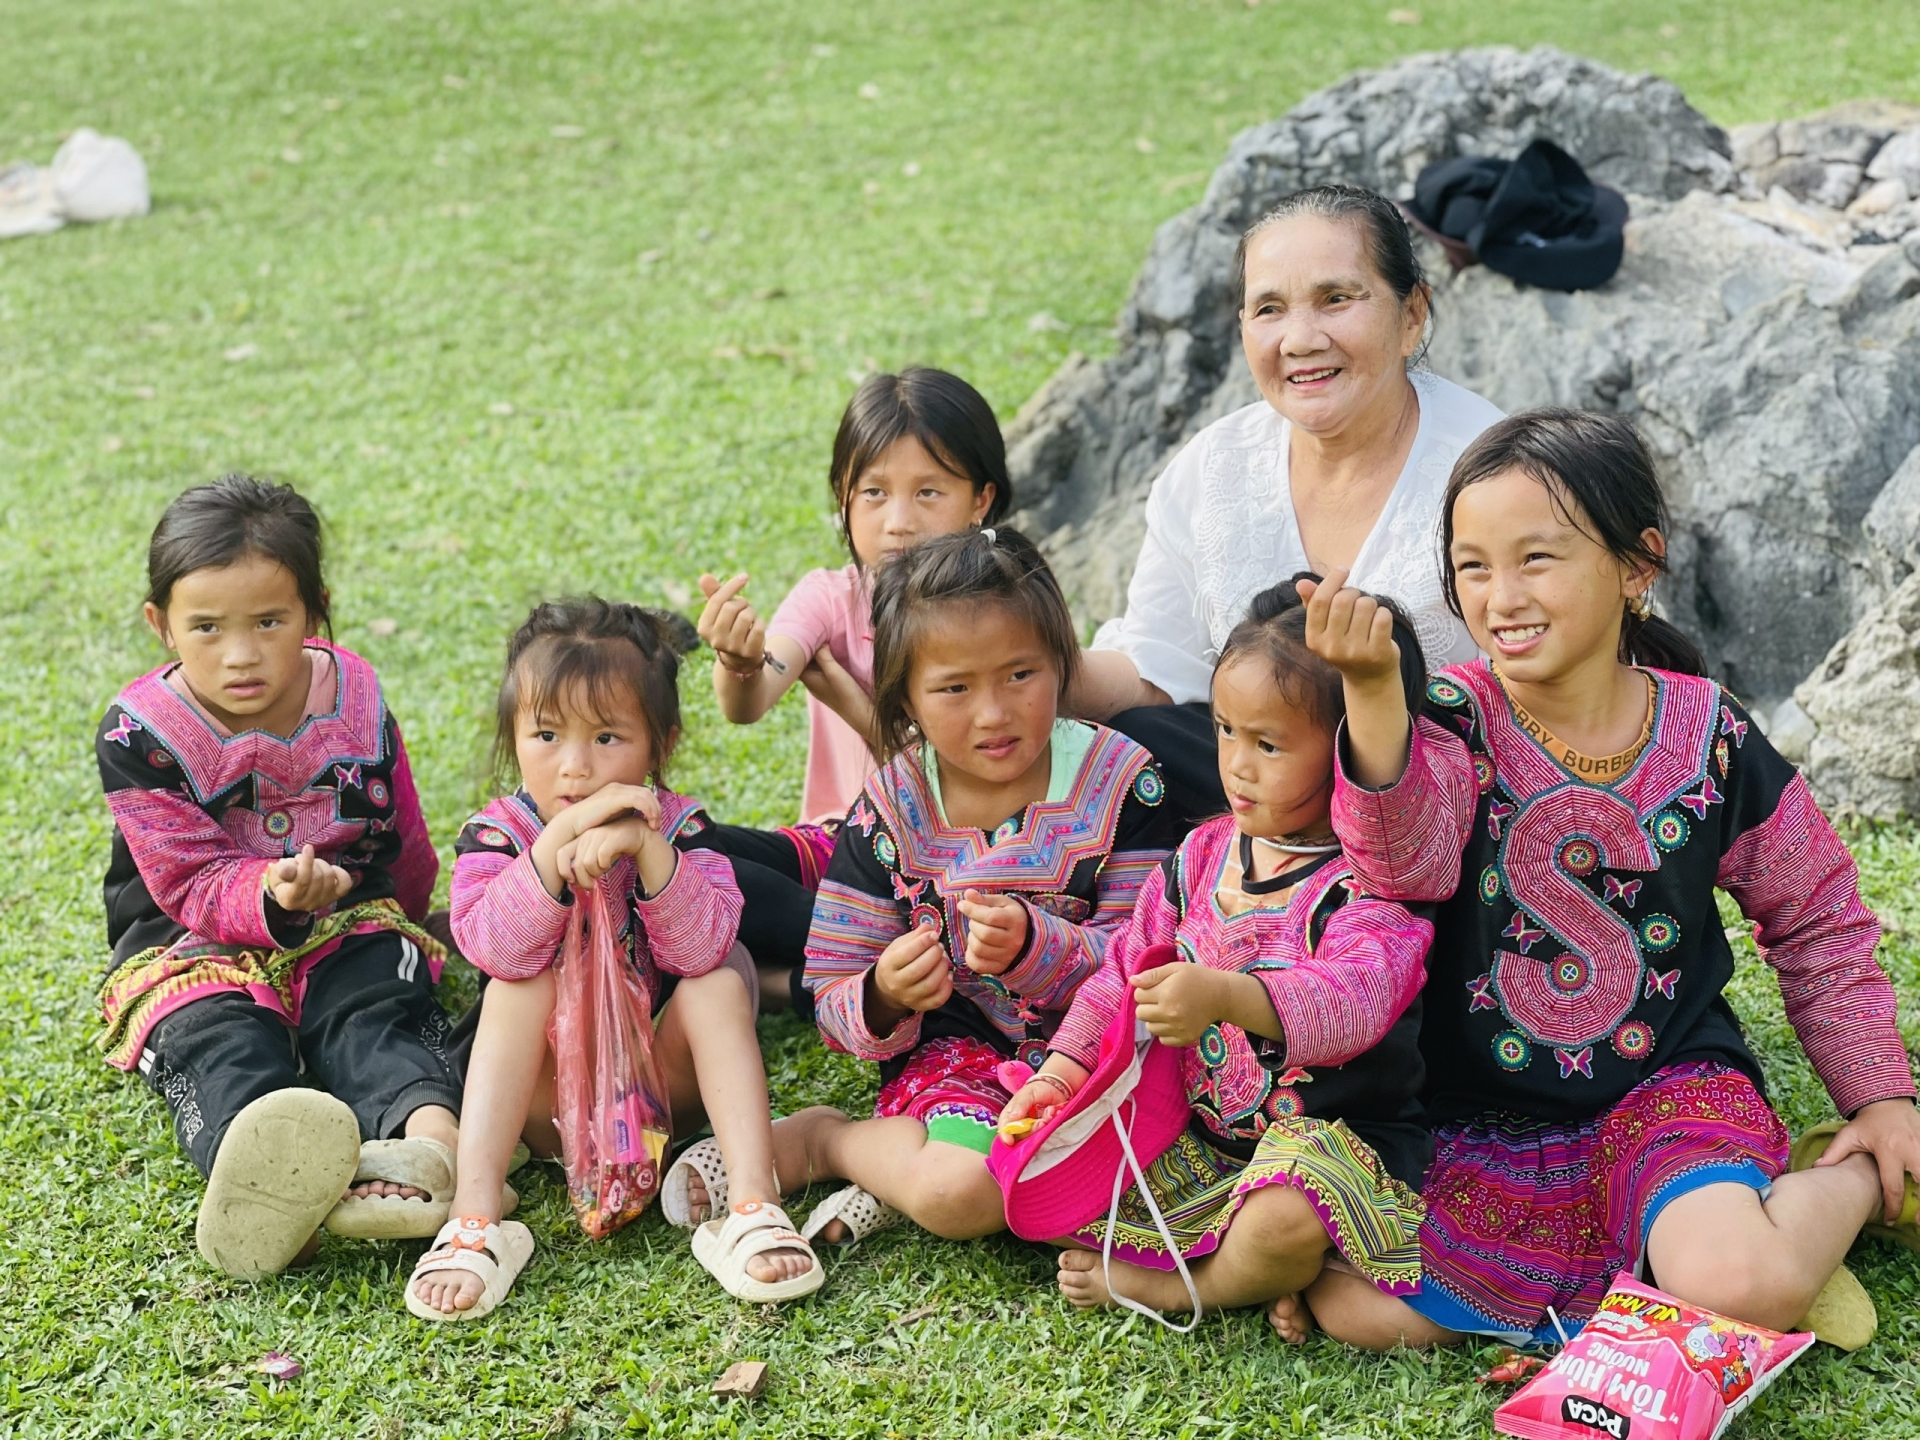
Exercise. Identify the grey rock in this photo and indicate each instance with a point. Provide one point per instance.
(1792, 731)
(1899, 159)
(1892, 525)
(1865, 699)
(1767, 344)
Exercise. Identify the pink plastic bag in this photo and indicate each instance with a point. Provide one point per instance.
(1649, 1367)
(609, 1105)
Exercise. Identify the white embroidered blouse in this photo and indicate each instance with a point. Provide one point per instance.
(1221, 528)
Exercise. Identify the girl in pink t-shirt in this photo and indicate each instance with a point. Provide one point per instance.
(918, 454)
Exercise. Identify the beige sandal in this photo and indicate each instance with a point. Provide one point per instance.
(418, 1162)
(1842, 1314)
(281, 1167)
(861, 1212)
(752, 1228)
(496, 1251)
(676, 1202)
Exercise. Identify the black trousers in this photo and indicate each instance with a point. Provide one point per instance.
(779, 910)
(370, 1034)
(1181, 738)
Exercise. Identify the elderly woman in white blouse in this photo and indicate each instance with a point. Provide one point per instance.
(1340, 465)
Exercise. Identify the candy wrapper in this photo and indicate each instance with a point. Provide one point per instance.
(609, 1104)
(1649, 1367)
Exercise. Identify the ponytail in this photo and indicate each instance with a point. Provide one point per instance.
(1660, 644)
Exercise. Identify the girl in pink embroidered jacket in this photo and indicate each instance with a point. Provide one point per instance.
(270, 867)
(978, 877)
(1295, 1000)
(1574, 802)
(587, 718)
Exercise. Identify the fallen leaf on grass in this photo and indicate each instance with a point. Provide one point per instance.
(869, 91)
(1403, 17)
(744, 1378)
(567, 132)
(239, 353)
(1042, 321)
(278, 1366)
(382, 628)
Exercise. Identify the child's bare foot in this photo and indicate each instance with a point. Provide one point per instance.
(450, 1290)
(1082, 1282)
(1292, 1321)
(369, 1189)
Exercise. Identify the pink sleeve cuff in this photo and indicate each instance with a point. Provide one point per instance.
(506, 923)
(692, 923)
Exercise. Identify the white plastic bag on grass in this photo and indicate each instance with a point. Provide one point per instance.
(100, 177)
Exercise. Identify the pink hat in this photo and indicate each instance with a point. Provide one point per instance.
(1066, 1173)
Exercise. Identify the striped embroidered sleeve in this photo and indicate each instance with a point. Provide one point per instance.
(1404, 841)
(418, 866)
(1791, 875)
(692, 923)
(851, 926)
(197, 875)
(1152, 922)
(1340, 1001)
(1061, 954)
(504, 920)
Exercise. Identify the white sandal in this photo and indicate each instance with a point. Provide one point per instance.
(419, 1162)
(752, 1228)
(496, 1251)
(862, 1213)
(703, 1158)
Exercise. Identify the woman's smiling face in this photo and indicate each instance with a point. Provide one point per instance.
(1324, 333)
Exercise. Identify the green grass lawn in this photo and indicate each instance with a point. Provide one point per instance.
(533, 297)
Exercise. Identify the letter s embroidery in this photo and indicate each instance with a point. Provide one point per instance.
(1577, 997)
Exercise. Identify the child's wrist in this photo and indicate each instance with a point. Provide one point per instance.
(742, 673)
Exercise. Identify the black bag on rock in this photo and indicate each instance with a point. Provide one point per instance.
(1537, 219)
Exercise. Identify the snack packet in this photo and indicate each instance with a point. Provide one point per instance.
(1649, 1367)
(610, 1106)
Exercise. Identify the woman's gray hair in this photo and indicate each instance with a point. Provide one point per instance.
(1389, 240)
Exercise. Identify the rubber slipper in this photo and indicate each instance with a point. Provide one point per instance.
(1842, 1314)
(676, 1201)
(495, 1250)
(281, 1167)
(751, 1228)
(861, 1212)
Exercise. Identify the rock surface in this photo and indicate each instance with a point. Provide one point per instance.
(1764, 331)
(1864, 699)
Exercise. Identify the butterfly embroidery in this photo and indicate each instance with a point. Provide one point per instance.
(1480, 991)
(1733, 727)
(1521, 933)
(1660, 982)
(1497, 814)
(347, 776)
(910, 893)
(863, 817)
(1708, 796)
(1294, 1075)
(1626, 891)
(119, 733)
(1575, 1062)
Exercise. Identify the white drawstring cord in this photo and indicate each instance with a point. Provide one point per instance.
(1160, 1223)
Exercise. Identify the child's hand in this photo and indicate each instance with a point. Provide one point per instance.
(592, 853)
(1350, 630)
(1889, 1131)
(610, 802)
(914, 972)
(301, 882)
(727, 623)
(828, 682)
(996, 931)
(1043, 1095)
(1177, 1002)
